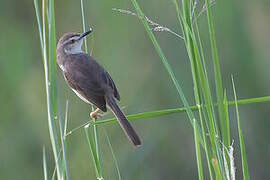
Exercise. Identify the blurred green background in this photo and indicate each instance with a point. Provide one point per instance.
(120, 43)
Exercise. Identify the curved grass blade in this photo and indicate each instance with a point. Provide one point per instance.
(113, 155)
(63, 143)
(39, 23)
(160, 113)
(241, 138)
(91, 143)
(47, 45)
(198, 151)
(165, 62)
(45, 171)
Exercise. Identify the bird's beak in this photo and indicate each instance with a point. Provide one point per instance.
(85, 33)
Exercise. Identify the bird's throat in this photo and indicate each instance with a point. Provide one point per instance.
(76, 49)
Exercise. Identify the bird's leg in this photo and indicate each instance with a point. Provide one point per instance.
(95, 114)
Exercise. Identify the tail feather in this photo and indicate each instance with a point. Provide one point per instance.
(126, 126)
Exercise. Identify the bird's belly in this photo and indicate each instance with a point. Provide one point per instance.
(81, 97)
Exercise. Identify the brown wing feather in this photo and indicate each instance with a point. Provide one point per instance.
(89, 79)
(98, 101)
(111, 84)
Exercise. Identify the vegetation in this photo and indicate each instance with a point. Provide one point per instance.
(210, 119)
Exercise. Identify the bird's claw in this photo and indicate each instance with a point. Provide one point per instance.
(95, 114)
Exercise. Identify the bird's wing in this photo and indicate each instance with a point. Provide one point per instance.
(101, 79)
(81, 76)
(86, 94)
(112, 85)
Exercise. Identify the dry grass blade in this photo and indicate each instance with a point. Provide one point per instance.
(155, 26)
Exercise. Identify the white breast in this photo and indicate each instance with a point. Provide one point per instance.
(62, 67)
(75, 48)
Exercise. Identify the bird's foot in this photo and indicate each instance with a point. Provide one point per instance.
(95, 114)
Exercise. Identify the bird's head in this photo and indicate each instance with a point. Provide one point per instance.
(71, 43)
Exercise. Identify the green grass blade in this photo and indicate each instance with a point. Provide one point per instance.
(165, 112)
(63, 143)
(227, 134)
(96, 138)
(50, 101)
(145, 115)
(91, 143)
(53, 88)
(66, 118)
(113, 155)
(39, 22)
(84, 25)
(206, 147)
(215, 56)
(164, 60)
(227, 138)
(196, 94)
(45, 171)
(198, 151)
(52, 58)
(250, 101)
(198, 70)
(217, 72)
(241, 138)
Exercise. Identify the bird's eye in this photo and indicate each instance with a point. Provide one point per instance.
(72, 41)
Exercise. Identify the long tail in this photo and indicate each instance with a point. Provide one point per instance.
(126, 126)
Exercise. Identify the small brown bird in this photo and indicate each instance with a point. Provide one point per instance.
(90, 81)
